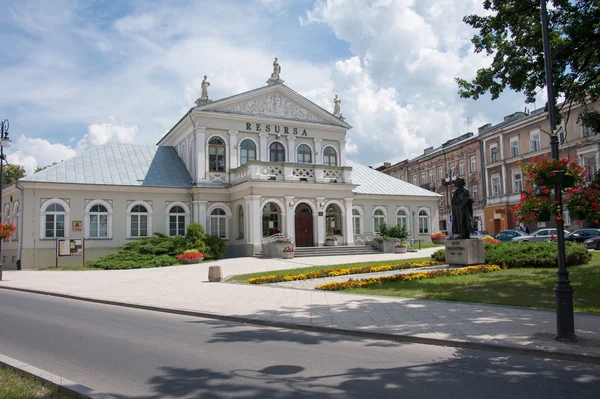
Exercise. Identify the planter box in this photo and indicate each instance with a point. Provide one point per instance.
(559, 178)
(287, 255)
(273, 250)
(388, 247)
(330, 243)
(438, 240)
(400, 250)
(191, 261)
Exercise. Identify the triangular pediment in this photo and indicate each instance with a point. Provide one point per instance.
(276, 101)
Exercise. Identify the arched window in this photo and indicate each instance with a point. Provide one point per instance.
(333, 220)
(54, 221)
(402, 219)
(218, 223)
(16, 216)
(6, 217)
(271, 220)
(247, 151)
(176, 221)
(240, 222)
(98, 225)
(423, 222)
(356, 221)
(216, 155)
(378, 219)
(304, 154)
(139, 221)
(276, 152)
(329, 157)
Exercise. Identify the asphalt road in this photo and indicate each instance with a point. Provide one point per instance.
(141, 354)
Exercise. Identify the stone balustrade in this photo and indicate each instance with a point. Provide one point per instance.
(290, 172)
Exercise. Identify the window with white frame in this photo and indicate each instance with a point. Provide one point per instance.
(496, 186)
(586, 131)
(402, 219)
(216, 155)
(423, 222)
(247, 151)
(356, 221)
(517, 182)
(534, 141)
(473, 164)
(304, 154)
(218, 223)
(276, 152)
(461, 168)
(329, 157)
(589, 164)
(452, 170)
(16, 216)
(98, 221)
(440, 173)
(475, 193)
(139, 221)
(54, 217)
(493, 153)
(431, 176)
(514, 147)
(6, 217)
(423, 178)
(415, 180)
(176, 221)
(378, 219)
(560, 131)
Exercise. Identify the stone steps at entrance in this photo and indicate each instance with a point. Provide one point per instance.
(338, 250)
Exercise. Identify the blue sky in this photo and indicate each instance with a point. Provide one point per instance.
(80, 73)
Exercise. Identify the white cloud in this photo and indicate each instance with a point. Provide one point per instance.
(34, 152)
(135, 23)
(99, 134)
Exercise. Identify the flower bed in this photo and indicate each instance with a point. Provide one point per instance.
(338, 272)
(406, 277)
(191, 256)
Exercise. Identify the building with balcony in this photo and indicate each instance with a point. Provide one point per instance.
(264, 162)
(519, 137)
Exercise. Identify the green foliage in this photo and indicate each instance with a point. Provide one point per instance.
(132, 260)
(528, 254)
(215, 247)
(12, 173)
(388, 231)
(40, 168)
(512, 33)
(196, 237)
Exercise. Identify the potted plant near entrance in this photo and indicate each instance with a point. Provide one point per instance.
(331, 241)
(400, 247)
(191, 256)
(287, 252)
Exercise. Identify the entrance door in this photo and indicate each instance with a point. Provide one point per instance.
(304, 226)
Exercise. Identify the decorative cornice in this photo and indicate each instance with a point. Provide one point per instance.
(275, 106)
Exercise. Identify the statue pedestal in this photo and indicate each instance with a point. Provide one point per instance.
(273, 81)
(465, 252)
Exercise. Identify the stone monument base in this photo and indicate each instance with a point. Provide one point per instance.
(465, 252)
(273, 81)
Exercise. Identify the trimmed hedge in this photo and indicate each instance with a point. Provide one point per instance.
(528, 254)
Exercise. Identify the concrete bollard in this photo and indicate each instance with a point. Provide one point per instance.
(215, 274)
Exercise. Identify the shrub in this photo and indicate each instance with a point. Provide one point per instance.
(215, 247)
(132, 260)
(528, 254)
(196, 237)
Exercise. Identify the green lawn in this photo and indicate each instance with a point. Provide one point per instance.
(68, 268)
(242, 278)
(518, 287)
(14, 385)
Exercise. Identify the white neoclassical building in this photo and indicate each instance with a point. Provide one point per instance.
(246, 167)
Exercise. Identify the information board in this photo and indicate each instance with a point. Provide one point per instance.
(70, 247)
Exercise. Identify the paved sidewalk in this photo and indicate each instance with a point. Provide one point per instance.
(185, 289)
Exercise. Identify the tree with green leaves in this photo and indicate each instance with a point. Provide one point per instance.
(40, 168)
(12, 173)
(512, 34)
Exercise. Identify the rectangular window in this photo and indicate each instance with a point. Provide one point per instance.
(440, 173)
(139, 226)
(356, 220)
(494, 154)
(517, 183)
(534, 141)
(431, 176)
(461, 168)
(514, 147)
(561, 133)
(423, 178)
(49, 226)
(473, 164)
(176, 225)
(475, 193)
(423, 225)
(586, 131)
(452, 170)
(496, 186)
(589, 163)
(415, 180)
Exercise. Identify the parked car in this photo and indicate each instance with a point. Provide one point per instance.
(507, 235)
(582, 235)
(592, 243)
(479, 234)
(539, 235)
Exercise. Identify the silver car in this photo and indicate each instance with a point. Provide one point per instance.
(539, 235)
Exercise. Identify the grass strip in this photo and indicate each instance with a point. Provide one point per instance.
(338, 272)
(16, 385)
(337, 286)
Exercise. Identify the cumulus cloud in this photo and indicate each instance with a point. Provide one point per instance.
(34, 152)
(99, 134)
(135, 23)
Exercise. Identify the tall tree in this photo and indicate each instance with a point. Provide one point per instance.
(12, 173)
(512, 34)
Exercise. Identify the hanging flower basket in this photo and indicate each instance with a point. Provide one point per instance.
(543, 171)
(577, 215)
(558, 177)
(7, 230)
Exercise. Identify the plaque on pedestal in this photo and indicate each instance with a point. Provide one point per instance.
(465, 252)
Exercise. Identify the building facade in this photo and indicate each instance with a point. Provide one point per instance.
(246, 167)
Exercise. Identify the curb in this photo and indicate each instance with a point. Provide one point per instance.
(502, 348)
(67, 386)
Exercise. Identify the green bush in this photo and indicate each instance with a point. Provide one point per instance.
(132, 260)
(215, 247)
(388, 231)
(528, 254)
(196, 237)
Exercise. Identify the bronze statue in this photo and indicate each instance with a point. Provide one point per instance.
(462, 210)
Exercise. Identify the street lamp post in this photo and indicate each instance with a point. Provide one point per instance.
(565, 324)
(4, 143)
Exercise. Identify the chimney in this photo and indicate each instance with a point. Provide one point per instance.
(483, 128)
(387, 164)
(427, 150)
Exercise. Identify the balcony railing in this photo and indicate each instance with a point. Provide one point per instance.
(290, 172)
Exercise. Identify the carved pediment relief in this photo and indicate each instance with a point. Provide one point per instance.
(273, 105)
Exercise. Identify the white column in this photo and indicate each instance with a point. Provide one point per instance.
(200, 133)
(233, 152)
(256, 229)
(290, 215)
(320, 221)
(349, 225)
(264, 151)
(202, 214)
(291, 157)
(196, 211)
(487, 183)
(318, 152)
(504, 179)
(342, 152)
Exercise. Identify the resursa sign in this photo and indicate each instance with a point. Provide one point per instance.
(268, 128)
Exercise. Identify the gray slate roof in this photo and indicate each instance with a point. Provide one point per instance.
(119, 164)
(377, 183)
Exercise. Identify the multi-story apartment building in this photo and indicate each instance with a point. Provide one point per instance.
(434, 169)
(520, 137)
